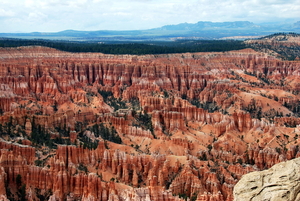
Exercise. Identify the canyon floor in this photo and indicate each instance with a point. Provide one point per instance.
(92, 126)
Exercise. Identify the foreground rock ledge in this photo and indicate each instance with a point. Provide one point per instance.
(281, 182)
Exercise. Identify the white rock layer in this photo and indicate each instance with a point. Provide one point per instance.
(281, 182)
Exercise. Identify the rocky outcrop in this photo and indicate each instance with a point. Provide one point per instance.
(281, 45)
(281, 182)
(147, 194)
(7, 149)
(3, 180)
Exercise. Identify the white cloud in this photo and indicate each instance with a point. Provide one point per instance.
(57, 15)
(6, 13)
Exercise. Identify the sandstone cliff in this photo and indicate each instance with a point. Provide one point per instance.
(280, 182)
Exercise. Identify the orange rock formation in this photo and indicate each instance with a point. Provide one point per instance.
(190, 124)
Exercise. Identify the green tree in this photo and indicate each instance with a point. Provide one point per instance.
(19, 180)
(22, 193)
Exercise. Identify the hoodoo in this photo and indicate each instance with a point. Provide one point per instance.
(92, 126)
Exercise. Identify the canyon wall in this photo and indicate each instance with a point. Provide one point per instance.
(153, 127)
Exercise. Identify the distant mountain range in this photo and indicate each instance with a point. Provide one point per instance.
(199, 30)
(210, 25)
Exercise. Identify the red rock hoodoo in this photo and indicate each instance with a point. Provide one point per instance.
(92, 126)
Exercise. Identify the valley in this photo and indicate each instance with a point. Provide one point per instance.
(94, 126)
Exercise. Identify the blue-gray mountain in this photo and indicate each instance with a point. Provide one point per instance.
(199, 30)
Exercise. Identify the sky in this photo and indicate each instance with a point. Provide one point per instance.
(88, 15)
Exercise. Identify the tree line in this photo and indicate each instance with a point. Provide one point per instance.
(136, 48)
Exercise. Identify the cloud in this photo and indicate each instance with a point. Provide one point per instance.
(57, 15)
(6, 13)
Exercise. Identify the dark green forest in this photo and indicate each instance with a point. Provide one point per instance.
(136, 48)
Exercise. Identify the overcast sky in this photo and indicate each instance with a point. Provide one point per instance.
(58, 15)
